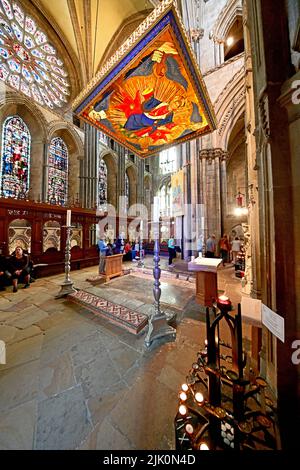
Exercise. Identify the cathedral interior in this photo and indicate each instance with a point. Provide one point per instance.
(73, 378)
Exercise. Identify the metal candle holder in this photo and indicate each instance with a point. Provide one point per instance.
(157, 323)
(67, 286)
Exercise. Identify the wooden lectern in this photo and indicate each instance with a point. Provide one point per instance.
(206, 279)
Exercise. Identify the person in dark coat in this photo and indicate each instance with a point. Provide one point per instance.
(3, 268)
(19, 268)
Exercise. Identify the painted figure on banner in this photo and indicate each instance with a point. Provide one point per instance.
(152, 103)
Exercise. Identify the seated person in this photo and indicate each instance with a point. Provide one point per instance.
(133, 251)
(127, 251)
(3, 272)
(18, 266)
(118, 245)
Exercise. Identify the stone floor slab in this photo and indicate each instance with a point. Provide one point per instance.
(63, 421)
(18, 385)
(23, 352)
(97, 376)
(17, 427)
(56, 377)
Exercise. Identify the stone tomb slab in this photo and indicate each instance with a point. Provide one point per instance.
(130, 320)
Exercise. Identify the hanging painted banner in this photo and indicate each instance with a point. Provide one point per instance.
(150, 95)
(177, 182)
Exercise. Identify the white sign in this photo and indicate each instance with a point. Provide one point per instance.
(273, 321)
(2, 352)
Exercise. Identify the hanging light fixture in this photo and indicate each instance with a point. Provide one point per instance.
(240, 209)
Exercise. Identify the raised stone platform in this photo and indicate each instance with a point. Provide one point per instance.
(117, 314)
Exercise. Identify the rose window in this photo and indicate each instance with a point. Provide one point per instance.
(28, 62)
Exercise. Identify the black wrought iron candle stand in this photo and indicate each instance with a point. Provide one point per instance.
(221, 408)
(67, 286)
(158, 326)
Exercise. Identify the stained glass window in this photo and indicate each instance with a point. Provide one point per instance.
(102, 184)
(103, 139)
(165, 200)
(28, 62)
(127, 190)
(15, 158)
(58, 172)
(167, 160)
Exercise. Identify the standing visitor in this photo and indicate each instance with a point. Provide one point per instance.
(211, 246)
(172, 252)
(235, 249)
(224, 249)
(102, 246)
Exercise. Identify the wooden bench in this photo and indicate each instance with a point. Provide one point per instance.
(113, 267)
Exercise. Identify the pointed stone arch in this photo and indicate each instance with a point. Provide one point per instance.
(229, 107)
(12, 103)
(74, 143)
(226, 18)
(110, 160)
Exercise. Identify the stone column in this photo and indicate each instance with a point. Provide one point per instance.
(44, 193)
(140, 187)
(36, 163)
(188, 194)
(121, 174)
(221, 50)
(211, 183)
(88, 169)
(223, 170)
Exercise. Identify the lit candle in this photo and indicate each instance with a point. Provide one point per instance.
(224, 302)
(156, 209)
(68, 218)
(189, 429)
(199, 397)
(203, 446)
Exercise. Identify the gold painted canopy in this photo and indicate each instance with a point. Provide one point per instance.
(150, 95)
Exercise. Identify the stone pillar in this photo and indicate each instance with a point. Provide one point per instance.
(121, 173)
(44, 193)
(211, 183)
(140, 187)
(88, 169)
(36, 175)
(277, 212)
(188, 195)
(223, 178)
(221, 50)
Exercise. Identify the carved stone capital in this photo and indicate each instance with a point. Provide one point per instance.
(196, 34)
(211, 154)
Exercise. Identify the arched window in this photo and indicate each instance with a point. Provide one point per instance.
(58, 172)
(15, 158)
(164, 195)
(29, 63)
(127, 190)
(234, 41)
(167, 161)
(102, 184)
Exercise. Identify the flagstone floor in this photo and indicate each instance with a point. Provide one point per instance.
(75, 381)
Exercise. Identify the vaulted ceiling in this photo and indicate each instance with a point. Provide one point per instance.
(91, 30)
